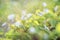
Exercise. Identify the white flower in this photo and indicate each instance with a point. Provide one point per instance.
(23, 12)
(23, 18)
(11, 17)
(32, 30)
(44, 4)
(29, 15)
(4, 24)
(26, 16)
(17, 24)
(5, 27)
(46, 27)
(41, 14)
(46, 10)
(55, 8)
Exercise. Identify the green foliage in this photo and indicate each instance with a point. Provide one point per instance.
(30, 19)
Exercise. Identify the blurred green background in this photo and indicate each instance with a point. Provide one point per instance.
(29, 19)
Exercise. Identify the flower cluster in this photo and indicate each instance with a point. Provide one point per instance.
(42, 22)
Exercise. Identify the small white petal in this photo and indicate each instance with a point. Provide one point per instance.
(46, 27)
(11, 17)
(23, 15)
(32, 30)
(29, 15)
(26, 16)
(23, 12)
(41, 13)
(23, 18)
(44, 4)
(17, 24)
(55, 8)
(46, 10)
(4, 24)
(5, 27)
